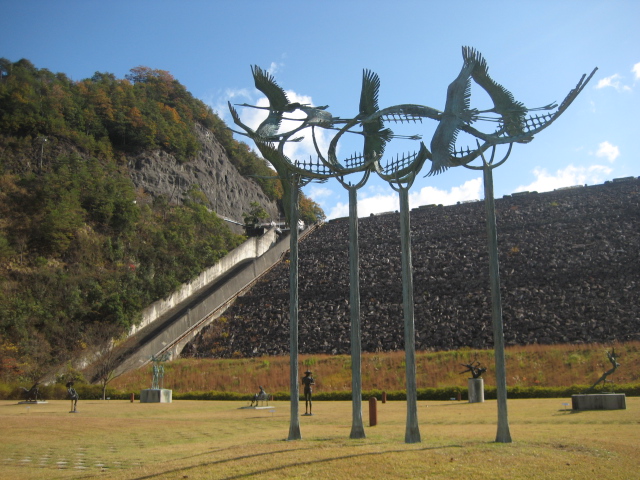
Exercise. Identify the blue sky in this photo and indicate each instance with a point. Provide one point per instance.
(317, 51)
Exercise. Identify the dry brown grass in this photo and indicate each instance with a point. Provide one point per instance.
(217, 440)
(535, 365)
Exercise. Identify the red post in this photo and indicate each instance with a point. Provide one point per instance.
(384, 397)
(373, 412)
(133, 397)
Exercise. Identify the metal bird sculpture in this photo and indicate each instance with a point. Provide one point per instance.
(512, 112)
(279, 104)
(456, 114)
(515, 125)
(375, 135)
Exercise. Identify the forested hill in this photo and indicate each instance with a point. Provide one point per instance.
(108, 194)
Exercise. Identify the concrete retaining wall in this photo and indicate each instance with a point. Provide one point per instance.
(252, 248)
(173, 338)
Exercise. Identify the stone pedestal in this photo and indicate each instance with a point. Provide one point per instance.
(476, 390)
(156, 395)
(599, 401)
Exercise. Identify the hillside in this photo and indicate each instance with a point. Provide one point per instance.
(110, 196)
(570, 273)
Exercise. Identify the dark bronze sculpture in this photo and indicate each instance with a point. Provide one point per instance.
(603, 379)
(261, 396)
(474, 368)
(307, 381)
(73, 396)
(31, 395)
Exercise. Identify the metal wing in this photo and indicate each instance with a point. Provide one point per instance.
(375, 135)
(511, 111)
(264, 82)
(456, 114)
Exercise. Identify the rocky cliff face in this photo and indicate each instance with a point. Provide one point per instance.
(229, 193)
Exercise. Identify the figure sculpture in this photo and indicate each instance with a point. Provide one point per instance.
(73, 396)
(613, 360)
(474, 368)
(157, 382)
(31, 395)
(261, 396)
(308, 381)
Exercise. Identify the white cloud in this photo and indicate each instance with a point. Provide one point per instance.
(636, 70)
(317, 191)
(339, 210)
(610, 152)
(219, 103)
(379, 200)
(614, 82)
(566, 177)
(378, 203)
(274, 67)
(470, 190)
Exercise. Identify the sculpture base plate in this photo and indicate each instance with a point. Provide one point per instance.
(257, 408)
(26, 402)
(599, 401)
(156, 395)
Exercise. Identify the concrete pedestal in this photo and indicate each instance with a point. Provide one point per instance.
(156, 395)
(599, 401)
(476, 390)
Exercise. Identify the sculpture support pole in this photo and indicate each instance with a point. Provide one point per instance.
(357, 427)
(294, 427)
(503, 435)
(412, 433)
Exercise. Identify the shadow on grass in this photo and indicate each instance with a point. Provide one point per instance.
(285, 466)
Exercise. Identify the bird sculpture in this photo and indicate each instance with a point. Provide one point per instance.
(279, 104)
(375, 135)
(456, 113)
(515, 126)
(512, 113)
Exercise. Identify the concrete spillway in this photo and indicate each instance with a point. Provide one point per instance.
(169, 324)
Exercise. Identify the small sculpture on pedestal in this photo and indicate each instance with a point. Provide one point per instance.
(157, 393)
(590, 400)
(475, 383)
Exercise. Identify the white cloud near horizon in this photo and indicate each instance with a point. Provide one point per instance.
(566, 177)
(608, 151)
(380, 201)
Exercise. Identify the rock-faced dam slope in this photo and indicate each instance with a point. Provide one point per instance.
(569, 265)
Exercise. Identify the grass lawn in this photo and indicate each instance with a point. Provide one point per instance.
(218, 440)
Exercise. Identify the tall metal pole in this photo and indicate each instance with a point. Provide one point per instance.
(357, 427)
(412, 433)
(503, 435)
(294, 425)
